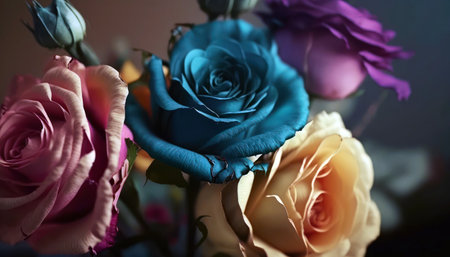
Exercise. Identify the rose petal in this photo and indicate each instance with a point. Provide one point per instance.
(287, 240)
(219, 231)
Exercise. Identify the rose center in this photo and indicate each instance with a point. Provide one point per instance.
(319, 215)
(223, 82)
(26, 130)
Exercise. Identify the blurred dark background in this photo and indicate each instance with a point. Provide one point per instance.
(408, 141)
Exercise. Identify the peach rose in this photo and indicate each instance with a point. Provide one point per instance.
(314, 201)
(63, 157)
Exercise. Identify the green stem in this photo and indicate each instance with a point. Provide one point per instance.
(82, 52)
(369, 115)
(192, 192)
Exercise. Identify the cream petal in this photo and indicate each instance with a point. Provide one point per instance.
(364, 163)
(244, 188)
(233, 211)
(366, 233)
(321, 242)
(221, 236)
(270, 218)
(261, 181)
(341, 249)
(279, 185)
(306, 141)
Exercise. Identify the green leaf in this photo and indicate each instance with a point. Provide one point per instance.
(130, 197)
(162, 173)
(132, 152)
(202, 228)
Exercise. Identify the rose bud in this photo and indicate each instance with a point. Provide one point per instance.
(314, 200)
(58, 25)
(233, 8)
(334, 46)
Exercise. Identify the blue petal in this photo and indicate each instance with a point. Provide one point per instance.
(197, 106)
(205, 167)
(160, 97)
(227, 47)
(236, 133)
(224, 106)
(200, 37)
(288, 116)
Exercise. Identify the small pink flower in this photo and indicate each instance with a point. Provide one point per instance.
(158, 213)
(63, 157)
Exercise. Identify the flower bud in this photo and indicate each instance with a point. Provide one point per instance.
(59, 25)
(215, 8)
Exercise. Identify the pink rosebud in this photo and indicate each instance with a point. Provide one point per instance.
(63, 157)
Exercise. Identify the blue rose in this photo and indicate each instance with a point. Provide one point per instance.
(231, 97)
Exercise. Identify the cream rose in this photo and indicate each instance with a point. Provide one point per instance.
(314, 200)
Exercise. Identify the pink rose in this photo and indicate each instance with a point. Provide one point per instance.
(63, 157)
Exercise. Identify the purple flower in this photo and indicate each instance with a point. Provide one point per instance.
(334, 45)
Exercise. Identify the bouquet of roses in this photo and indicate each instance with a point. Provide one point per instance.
(226, 119)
